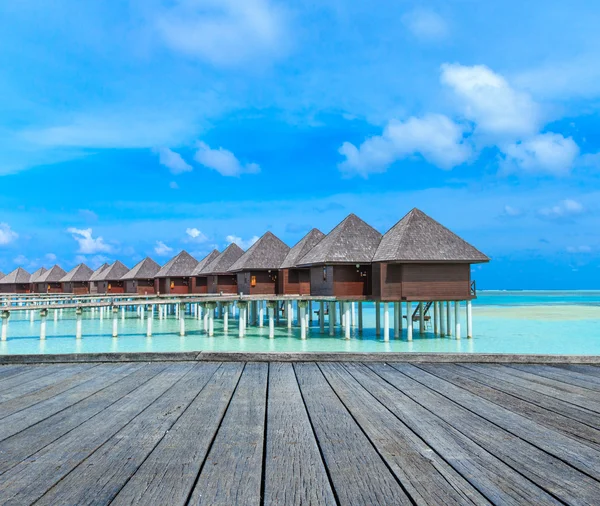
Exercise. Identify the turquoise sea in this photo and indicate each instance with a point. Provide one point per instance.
(546, 322)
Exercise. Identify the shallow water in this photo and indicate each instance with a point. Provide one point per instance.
(503, 322)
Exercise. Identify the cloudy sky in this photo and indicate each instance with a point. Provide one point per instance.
(143, 127)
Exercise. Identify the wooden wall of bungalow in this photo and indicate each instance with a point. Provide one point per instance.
(50, 287)
(421, 281)
(345, 281)
(76, 287)
(258, 282)
(16, 288)
(294, 281)
(111, 286)
(199, 284)
(222, 283)
(139, 286)
(174, 285)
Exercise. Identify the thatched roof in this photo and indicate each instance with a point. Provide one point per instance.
(53, 275)
(19, 275)
(34, 277)
(351, 242)
(96, 274)
(114, 271)
(224, 261)
(180, 266)
(266, 253)
(205, 261)
(304, 245)
(78, 274)
(419, 238)
(146, 269)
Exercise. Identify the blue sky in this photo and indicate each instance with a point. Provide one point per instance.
(141, 127)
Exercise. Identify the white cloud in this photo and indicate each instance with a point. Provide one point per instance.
(224, 32)
(162, 249)
(564, 209)
(579, 249)
(244, 244)
(196, 235)
(50, 257)
(491, 103)
(87, 244)
(512, 211)
(21, 260)
(173, 161)
(7, 235)
(425, 24)
(223, 161)
(94, 262)
(435, 137)
(173, 185)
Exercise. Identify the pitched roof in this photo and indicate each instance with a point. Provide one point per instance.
(1, 274)
(146, 269)
(302, 247)
(419, 238)
(224, 261)
(96, 274)
(351, 242)
(78, 274)
(19, 275)
(181, 265)
(34, 277)
(116, 270)
(53, 275)
(205, 261)
(266, 253)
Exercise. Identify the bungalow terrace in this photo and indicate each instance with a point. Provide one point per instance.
(140, 279)
(419, 259)
(257, 269)
(17, 281)
(340, 264)
(294, 280)
(109, 280)
(199, 281)
(174, 277)
(50, 281)
(77, 280)
(219, 277)
(93, 281)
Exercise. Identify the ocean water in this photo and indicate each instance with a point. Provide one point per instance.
(549, 322)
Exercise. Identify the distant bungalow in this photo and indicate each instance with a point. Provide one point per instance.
(109, 280)
(140, 279)
(174, 277)
(199, 280)
(257, 269)
(93, 281)
(294, 280)
(340, 264)
(50, 281)
(17, 281)
(34, 277)
(77, 280)
(219, 277)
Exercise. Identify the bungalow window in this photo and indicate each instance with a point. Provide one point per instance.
(324, 273)
(253, 281)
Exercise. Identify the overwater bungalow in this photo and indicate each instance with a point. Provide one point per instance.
(174, 277)
(419, 259)
(17, 281)
(140, 279)
(219, 278)
(199, 280)
(257, 270)
(93, 281)
(77, 280)
(294, 280)
(34, 277)
(109, 280)
(50, 281)
(340, 264)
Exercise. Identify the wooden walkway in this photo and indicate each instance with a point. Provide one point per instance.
(299, 433)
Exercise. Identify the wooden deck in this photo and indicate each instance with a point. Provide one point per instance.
(299, 433)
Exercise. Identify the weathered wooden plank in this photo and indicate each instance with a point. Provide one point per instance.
(232, 471)
(106, 470)
(358, 473)
(427, 478)
(30, 479)
(497, 481)
(37, 379)
(294, 470)
(573, 378)
(168, 474)
(588, 370)
(473, 383)
(6, 371)
(549, 472)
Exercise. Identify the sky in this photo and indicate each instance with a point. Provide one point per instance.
(140, 128)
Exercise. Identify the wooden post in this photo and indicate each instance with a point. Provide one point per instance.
(469, 320)
(421, 318)
(360, 317)
(448, 319)
(347, 320)
(78, 313)
(5, 317)
(409, 321)
(436, 327)
(457, 319)
(149, 323)
(442, 320)
(302, 317)
(181, 321)
(377, 319)
(397, 320)
(289, 314)
(321, 317)
(386, 321)
(271, 305)
(115, 322)
(331, 318)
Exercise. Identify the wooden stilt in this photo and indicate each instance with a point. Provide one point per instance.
(347, 320)
(331, 318)
(397, 320)
(469, 320)
(377, 319)
(322, 317)
(409, 321)
(43, 317)
(386, 321)
(149, 322)
(360, 317)
(271, 313)
(457, 319)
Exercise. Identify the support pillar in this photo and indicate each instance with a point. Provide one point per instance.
(122, 312)
(302, 317)
(397, 320)
(78, 313)
(5, 317)
(469, 320)
(206, 313)
(386, 321)
(457, 319)
(43, 317)
(436, 323)
(149, 322)
(226, 318)
(289, 315)
(353, 314)
(211, 306)
(360, 317)
(331, 318)
(242, 307)
(409, 321)
(56, 315)
(347, 322)
(377, 319)
(271, 305)
(322, 317)
(115, 321)
(421, 318)
(181, 321)
(442, 319)
(261, 313)
(448, 319)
